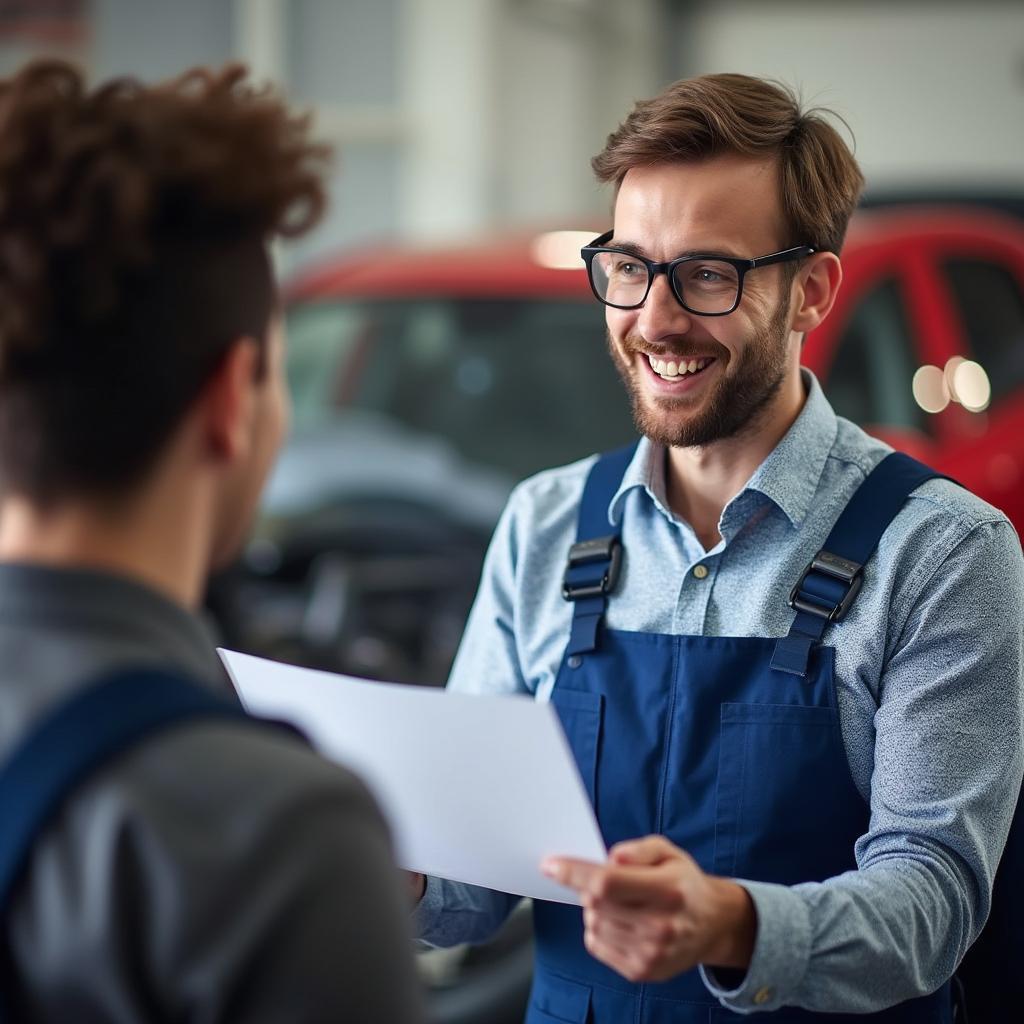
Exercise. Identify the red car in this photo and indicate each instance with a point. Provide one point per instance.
(936, 294)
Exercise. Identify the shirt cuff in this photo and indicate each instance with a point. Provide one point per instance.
(427, 913)
(781, 952)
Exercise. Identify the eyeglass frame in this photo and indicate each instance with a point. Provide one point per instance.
(588, 252)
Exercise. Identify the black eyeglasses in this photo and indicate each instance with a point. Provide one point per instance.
(707, 285)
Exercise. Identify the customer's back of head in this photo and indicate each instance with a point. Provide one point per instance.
(215, 871)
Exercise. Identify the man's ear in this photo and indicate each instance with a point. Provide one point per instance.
(228, 401)
(815, 291)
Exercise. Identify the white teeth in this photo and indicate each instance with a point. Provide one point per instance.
(672, 370)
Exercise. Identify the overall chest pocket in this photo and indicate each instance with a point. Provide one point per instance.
(786, 807)
(581, 712)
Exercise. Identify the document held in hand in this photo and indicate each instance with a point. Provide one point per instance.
(475, 789)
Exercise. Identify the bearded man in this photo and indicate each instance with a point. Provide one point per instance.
(788, 661)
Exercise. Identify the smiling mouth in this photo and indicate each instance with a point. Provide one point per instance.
(672, 369)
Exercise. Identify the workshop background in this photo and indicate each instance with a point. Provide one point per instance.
(443, 340)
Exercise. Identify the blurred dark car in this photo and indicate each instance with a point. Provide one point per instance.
(426, 383)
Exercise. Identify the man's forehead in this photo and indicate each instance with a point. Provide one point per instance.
(707, 201)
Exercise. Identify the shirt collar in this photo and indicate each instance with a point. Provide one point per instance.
(646, 472)
(788, 476)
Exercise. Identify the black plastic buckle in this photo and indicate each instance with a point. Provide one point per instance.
(600, 549)
(850, 573)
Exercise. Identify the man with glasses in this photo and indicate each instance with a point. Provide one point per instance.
(788, 661)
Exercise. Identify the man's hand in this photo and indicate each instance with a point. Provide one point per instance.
(650, 913)
(417, 886)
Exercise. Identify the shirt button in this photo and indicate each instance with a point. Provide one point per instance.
(762, 995)
(700, 571)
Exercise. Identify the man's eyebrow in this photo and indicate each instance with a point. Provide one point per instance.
(638, 250)
(630, 247)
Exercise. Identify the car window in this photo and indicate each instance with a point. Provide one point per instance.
(870, 380)
(518, 384)
(991, 306)
(321, 337)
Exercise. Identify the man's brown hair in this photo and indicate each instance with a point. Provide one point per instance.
(699, 118)
(134, 222)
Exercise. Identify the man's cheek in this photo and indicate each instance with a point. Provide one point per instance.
(618, 343)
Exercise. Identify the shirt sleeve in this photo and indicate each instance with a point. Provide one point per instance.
(947, 772)
(486, 663)
(453, 912)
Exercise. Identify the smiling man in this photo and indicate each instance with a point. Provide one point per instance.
(788, 661)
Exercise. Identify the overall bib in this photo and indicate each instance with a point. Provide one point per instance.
(728, 746)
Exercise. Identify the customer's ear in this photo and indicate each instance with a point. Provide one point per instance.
(228, 401)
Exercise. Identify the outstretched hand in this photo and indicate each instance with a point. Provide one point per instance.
(417, 885)
(651, 913)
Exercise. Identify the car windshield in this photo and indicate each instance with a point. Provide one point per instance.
(517, 384)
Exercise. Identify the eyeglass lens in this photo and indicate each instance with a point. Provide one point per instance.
(706, 286)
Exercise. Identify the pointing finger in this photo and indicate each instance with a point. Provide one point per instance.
(575, 874)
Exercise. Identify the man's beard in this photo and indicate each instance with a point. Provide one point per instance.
(737, 402)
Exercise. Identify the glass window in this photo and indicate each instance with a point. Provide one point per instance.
(321, 337)
(991, 306)
(516, 384)
(870, 381)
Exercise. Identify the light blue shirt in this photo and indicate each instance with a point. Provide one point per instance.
(929, 675)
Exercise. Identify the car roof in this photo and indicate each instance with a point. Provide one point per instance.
(881, 225)
(495, 268)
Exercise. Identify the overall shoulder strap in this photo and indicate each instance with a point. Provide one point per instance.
(594, 560)
(828, 586)
(77, 738)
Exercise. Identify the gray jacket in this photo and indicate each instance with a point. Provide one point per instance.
(213, 873)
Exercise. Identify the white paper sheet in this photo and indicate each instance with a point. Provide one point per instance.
(476, 789)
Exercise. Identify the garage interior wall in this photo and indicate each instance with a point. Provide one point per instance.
(462, 117)
(934, 91)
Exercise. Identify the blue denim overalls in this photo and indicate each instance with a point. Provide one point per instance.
(729, 746)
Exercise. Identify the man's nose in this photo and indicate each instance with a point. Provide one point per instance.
(661, 314)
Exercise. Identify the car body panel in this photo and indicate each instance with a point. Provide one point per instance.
(984, 451)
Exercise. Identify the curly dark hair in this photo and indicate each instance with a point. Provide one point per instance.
(134, 222)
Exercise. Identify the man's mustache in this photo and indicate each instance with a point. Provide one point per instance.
(679, 350)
